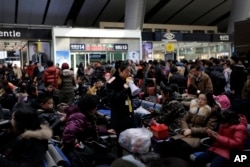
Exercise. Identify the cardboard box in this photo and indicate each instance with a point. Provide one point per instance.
(160, 131)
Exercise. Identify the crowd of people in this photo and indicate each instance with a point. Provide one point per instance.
(202, 98)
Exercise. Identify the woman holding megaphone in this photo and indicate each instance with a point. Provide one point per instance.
(120, 89)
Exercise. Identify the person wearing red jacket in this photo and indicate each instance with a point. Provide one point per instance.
(231, 136)
(51, 74)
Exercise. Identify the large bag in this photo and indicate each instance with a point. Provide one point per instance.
(136, 140)
(80, 157)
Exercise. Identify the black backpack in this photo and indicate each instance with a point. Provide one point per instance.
(218, 80)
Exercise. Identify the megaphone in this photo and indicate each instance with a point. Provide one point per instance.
(134, 89)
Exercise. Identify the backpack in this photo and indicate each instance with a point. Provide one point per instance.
(218, 80)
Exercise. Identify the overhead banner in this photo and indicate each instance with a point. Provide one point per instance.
(25, 33)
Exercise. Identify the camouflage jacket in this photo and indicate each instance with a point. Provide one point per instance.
(172, 112)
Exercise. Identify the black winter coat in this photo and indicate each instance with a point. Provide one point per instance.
(121, 118)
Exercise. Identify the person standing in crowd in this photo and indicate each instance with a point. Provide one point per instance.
(238, 77)
(66, 93)
(38, 74)
(26, 142)
(119, 94)
(242, 105)
(177, 79)
(30, 69)
(200, 80)
(17, 72)
(51, 74)
(80, 70)
(227, 73)
(217, 77)
(98, 72)
(89, 70)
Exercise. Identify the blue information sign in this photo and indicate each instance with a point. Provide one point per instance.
(77, 46)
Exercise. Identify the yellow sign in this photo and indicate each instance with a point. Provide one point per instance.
(170, 47)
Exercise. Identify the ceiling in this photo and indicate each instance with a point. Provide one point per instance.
(88, 13)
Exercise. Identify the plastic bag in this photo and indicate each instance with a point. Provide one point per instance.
(141, 110)
(136, 140)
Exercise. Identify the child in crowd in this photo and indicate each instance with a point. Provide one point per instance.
(81, 87)
(231, 136)
(50, 91)
(48, 116)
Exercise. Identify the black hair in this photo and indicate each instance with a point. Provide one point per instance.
(166, 90)
(229, 116)
(216, 61)
(46, 84)
(30, 89)
(88, 102)
(25, 117)
(197, 67)
(117, 64)
(173, 69)
(191, 89)
(50, 63)
(43, 98)
(228, 63)
(235, 59)
(123, 65)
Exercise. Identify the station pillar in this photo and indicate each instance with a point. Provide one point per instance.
(134, 14)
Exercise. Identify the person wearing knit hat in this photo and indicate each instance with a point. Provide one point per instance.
(65, 66)
(66, 93)
(127, 161)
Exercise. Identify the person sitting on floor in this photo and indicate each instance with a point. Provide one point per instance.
(48, 116)
(26, 142)
(231, 136)
(171, 113)
(81, 127)
(193, 127)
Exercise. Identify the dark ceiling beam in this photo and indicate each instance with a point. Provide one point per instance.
(155, 9)
(46, 11)
(16, 11)
(210, 10)
(219, 19)
(74, 12)
(177, 12)
(100, 13)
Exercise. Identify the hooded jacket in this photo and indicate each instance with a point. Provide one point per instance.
(25, 150)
